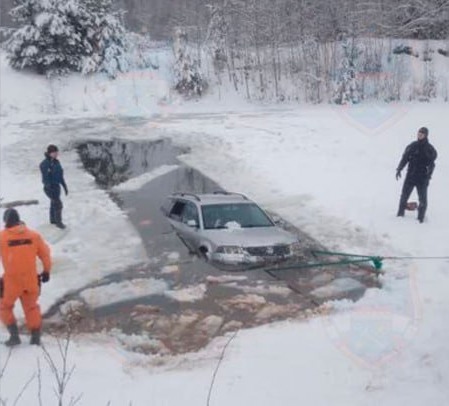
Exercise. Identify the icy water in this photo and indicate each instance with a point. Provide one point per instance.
(114, 162)
(177, 300)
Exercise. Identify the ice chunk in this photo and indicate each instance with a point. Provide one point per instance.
(244, 302)
(225, 279)
(210, 325)
(338, 288)
(190, 294)
(123, 291)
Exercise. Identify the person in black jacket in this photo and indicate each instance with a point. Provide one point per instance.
(420, 156)
(53, 179)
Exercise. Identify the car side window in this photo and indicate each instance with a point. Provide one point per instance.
(189, 213)
(177, 210)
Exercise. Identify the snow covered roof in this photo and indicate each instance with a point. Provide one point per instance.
(215, 198)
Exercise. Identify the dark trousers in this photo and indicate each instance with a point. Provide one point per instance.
(53, 192)
(421, 187)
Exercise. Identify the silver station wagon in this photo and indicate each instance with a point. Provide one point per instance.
(228, 228)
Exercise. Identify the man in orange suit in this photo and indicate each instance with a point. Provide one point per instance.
(19, 248)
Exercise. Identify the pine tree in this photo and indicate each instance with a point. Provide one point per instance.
(217, 33)
(189, 80)
(49, 40)
(72, 35)
(347, 86)
(107, 36)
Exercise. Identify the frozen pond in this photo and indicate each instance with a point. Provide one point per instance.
(177, 300)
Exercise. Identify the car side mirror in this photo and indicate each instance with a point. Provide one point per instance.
(192, 223)
(276, 220)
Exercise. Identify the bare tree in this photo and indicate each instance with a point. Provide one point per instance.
(61, 370)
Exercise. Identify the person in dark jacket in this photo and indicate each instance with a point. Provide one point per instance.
(53, 179)
(420, 157)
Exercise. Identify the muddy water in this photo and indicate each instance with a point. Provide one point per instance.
(196, 301)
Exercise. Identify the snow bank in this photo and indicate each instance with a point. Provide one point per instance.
(136, 93)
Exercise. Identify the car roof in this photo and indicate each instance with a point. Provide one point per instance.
(213, 198)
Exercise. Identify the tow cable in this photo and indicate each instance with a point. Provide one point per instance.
(353, 259)
(346, 259)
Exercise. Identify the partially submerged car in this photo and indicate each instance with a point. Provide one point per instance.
(228, 228)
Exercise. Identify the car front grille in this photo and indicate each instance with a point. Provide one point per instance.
(272, 251)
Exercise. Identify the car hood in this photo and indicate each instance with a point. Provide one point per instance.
(250, 237)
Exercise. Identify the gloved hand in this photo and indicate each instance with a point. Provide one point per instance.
(66, 190)
(398, 174)
(45, 277)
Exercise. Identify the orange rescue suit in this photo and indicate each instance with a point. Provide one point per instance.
(19, 249)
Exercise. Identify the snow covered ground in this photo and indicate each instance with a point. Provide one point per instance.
(330, 171)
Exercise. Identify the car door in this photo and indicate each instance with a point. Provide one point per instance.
(189, 226)
(175, 214)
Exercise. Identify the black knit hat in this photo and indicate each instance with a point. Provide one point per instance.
(11, 218)
(52, 148)
(424, 130)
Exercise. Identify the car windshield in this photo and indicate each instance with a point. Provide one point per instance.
(234, 215)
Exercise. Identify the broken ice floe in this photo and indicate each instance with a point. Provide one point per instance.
(122, 291)
(337, 288)
(189, 294)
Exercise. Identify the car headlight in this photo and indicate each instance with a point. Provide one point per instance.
(230, 250)
(296, 248)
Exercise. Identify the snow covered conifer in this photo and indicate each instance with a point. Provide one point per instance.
(347, 86)
(107, 37)
(49, 39)
(217, 33)
(59, 36)
(189, 80)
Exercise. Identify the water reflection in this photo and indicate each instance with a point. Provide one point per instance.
(116, 161)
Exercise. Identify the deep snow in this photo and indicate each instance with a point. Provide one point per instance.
(329, 171)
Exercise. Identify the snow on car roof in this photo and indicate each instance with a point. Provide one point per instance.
(215, 198)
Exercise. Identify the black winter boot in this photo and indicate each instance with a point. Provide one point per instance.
(58, 216)
(14, 338)
(421, 214)
(35, 337)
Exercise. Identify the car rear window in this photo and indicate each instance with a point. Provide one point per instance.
(229, 215)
